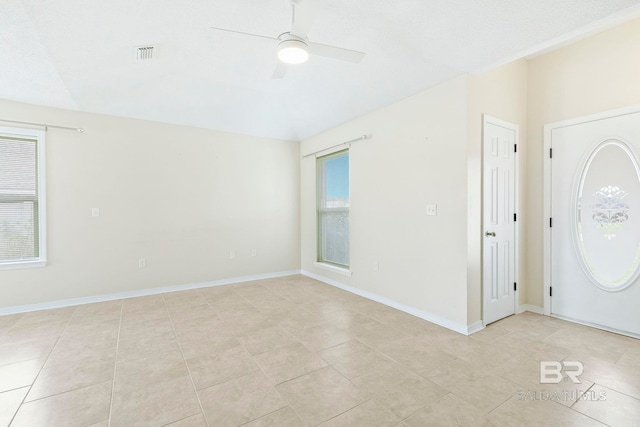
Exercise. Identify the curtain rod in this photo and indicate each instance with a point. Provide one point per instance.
(363, 137)
(44, 125)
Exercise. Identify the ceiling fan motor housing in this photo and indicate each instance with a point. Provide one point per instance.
(292, 49)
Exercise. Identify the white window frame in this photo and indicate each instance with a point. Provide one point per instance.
(321, 195)
(39, 136)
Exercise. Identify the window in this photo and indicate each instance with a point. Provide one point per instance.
(333, 209)
(22, 207)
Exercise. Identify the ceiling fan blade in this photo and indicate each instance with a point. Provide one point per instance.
(335, 52)
(280, 71)
(243, 33)
(305, 13)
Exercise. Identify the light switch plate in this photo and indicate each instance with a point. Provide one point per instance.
(95, 211)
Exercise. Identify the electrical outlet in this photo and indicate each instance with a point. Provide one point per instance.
(95, 211)
(254, 252)
(142, 263)
(432, 209)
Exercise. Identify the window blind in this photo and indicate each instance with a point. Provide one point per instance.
(19, 213)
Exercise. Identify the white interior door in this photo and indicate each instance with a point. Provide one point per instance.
(499, 192)
(595, 228)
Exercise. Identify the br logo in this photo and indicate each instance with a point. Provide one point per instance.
(552, 372)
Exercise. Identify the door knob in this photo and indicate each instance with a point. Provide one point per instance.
(490, 234)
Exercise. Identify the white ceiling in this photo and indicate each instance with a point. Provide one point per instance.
(78, 54)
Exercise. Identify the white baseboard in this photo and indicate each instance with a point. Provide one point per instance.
(597, 326)
(441, 321)
(475, 327)
(140, 293)
(532, 308)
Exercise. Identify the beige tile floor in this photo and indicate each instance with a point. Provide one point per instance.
(295, 352)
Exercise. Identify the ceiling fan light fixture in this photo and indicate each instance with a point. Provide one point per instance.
(293, 51)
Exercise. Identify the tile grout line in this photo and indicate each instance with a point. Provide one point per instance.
(503, 402)
(329, 365)
(115, 365)
(586, 415)
(351, 409)
(290, 379)
(262, 370)
(184, 359)
(576, 401)
(41, 368)
(449, 393)
(366, 393)
(270, 413)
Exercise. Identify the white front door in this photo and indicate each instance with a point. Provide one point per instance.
(595, 221)
(499, 190)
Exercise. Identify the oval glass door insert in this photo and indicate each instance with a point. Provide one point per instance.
(607, 216)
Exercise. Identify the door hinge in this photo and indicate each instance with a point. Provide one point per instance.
(515, 217)
(550, 222)
(515, 148)
(551, 153)
(550, 291)
(515, 286)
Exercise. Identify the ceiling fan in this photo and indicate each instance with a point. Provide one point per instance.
(294, 46)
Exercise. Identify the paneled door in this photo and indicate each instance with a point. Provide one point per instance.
(498, 211)
(594, 223)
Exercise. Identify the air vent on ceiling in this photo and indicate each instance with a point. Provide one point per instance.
(144, 53)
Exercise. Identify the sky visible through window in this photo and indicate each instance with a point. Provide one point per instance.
(337, 175)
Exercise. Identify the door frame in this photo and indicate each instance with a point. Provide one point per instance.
(547, 188)
(488, 119)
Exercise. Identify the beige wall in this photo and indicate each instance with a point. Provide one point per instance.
(425, 149)
(596, 74)
(181, 197)
(416, 156)
(501, 93)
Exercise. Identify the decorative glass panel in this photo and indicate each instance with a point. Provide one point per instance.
(607, 216)
(335, 237)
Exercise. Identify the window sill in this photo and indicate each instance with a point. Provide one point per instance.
(22, 264)
(333, 268)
